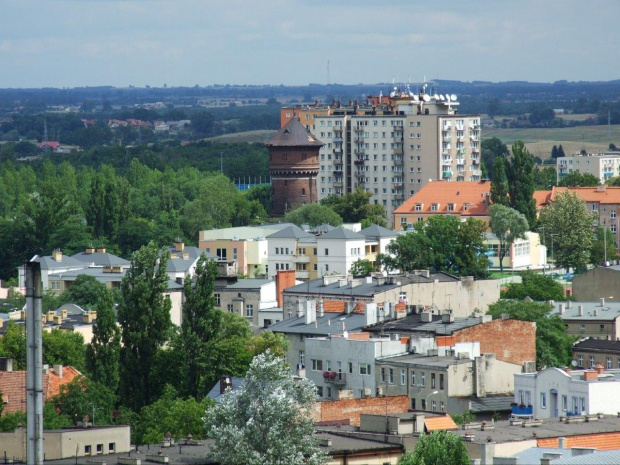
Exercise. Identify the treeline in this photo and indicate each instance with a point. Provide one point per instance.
(48, 206)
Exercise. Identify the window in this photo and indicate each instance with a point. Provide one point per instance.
(423, 402)
(221, 253)
(613, 214)
(383, 374)
(412, 403)
(601, 328)
(229, 307)
(319, 391)
(217, 299)
(432, 380)
(87, 450)
(591, 361)
(328, 365)
(403, 377)
(413, 377)
(543, 400)
(434, 405)
(575, 405)
(112, 447)
(564, 403)
(326, 252)
(302, 358)
(580, 361)
(326, 268)
(442, 406)
(317, 365)
(423, 382)
(441, 381)
(235, 253)
(303, 191)
(249, 310)
(434, 207)
(350, 366)
(391, 379)
(99, 448)
(583, 403)
(364, 368)
(329, 392)
(418, 208)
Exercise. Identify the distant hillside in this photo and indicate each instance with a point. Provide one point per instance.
(251, 137)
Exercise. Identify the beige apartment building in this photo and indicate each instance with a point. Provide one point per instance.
(601, 165)
(395, 148)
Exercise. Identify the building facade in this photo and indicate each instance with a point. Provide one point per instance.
(600, 165)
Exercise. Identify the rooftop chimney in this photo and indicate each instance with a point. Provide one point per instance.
(57, 255)
(599, 369)
(100, 249)
(179, 245)
(426, 317)
(58, 370)
(602, 301)
(225, 383)
(561, 443)
(580, 310)
(321, 308)
(90, 250)
(561, 309)
(6, 364)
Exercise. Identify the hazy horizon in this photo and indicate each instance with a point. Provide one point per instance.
(91, 43)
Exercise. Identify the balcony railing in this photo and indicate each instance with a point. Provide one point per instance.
(301, 259)
(335, 378)
(524, 410)
(398, 128)
(359, 161)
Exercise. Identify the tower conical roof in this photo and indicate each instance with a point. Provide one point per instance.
(294, 134)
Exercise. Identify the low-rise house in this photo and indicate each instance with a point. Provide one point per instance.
(554, 392)
(524, 254)
(13, 384)
(590, 319)
(591, 352)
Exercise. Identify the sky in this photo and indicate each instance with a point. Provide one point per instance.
(74, 43)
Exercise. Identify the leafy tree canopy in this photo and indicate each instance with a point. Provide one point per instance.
(268, 422)
(313, 214)
(508, 225)
(576, 179)
(437, 448)
(355, 207)
(362, 267)
(536, 286)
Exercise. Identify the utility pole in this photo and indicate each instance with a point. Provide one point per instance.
(545, 243)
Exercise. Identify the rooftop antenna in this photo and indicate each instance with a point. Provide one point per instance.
(328, 81)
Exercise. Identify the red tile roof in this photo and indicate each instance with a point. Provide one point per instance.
(600, 194)
(13, 387)
(294, 134)
(444, 193)
(600, 441)
(441, 423)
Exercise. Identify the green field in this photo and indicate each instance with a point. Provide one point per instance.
(540, 141)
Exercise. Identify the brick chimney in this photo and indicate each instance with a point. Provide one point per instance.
(179, 245)
(284, 279)
(590, 375)
(225, 383)
(599, 369)
(57, 255)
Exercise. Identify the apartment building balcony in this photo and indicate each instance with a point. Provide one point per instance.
(476, 172)
(338, 172)
(301, 259)
(359, 151)
(337, 128)
(302, 274)
(398, 161)
(359, 139)
(447, 127)
(359, 161)
(475, 161)
(460, 127)
(398, 151)
(397, 137)
(398, 128)
(338, 184)
(361, 174)
(447, 174)
(335, 378)
(475, 149)
(338, 139)
(446, 159)
(359, 129)
(337, 151)
(474, 138)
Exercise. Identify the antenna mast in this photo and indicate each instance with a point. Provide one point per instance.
(328, 80)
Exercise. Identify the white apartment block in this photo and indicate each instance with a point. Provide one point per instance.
(601, 165)
(395, 153)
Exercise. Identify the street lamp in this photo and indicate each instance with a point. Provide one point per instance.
(542, 228)
(431, 394)
(553, 259)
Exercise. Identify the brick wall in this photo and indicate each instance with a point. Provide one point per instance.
(511, 341)
(338, 411)
(288, 193)
(284, 279)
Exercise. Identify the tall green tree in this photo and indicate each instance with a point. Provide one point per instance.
(492, 149)
(576, 179)
(103, 352)
(201, 325)
(499, 185)
(603, 247)
(144, 317)
(85, 291)
(553, 344)
(572, 224)
(520, 174)
(62, 347)
(508, 225)
(268, 422)
(438, 448)
(442, 243)
(536, 286)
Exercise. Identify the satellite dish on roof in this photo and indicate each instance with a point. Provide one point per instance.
(436, 97)
(416, 98)
(574, 363)
(427, 98)
(447, 97)
(453, 97)
(442, 98)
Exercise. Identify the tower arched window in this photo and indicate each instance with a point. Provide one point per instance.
(303, 191)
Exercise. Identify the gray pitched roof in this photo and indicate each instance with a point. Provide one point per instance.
(375, 232)
(598, 345)
(413, 323)
(48, 263)
(214, 393)
(290, 232)
(330, 323)
(591, 310)
(100, 259)
(342, 233)
(250, 283)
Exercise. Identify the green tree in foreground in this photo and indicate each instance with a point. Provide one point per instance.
(442, 243)
(268, 422)
(64, 348)
(553, 344)
(499, 186)
(103, 352)
(605, 242)
(313, 214)
(538, 287)
(361, 268)
(520, 174)
(144, 316)
(568, 217)
(576, 179)
(85, 292)
(437, 448)
(508, 225)
(355, 207)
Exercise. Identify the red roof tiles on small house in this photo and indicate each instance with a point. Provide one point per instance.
(465, 198)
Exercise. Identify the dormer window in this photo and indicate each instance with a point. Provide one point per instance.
(418, 207)
(434, 207)
(451, 207)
